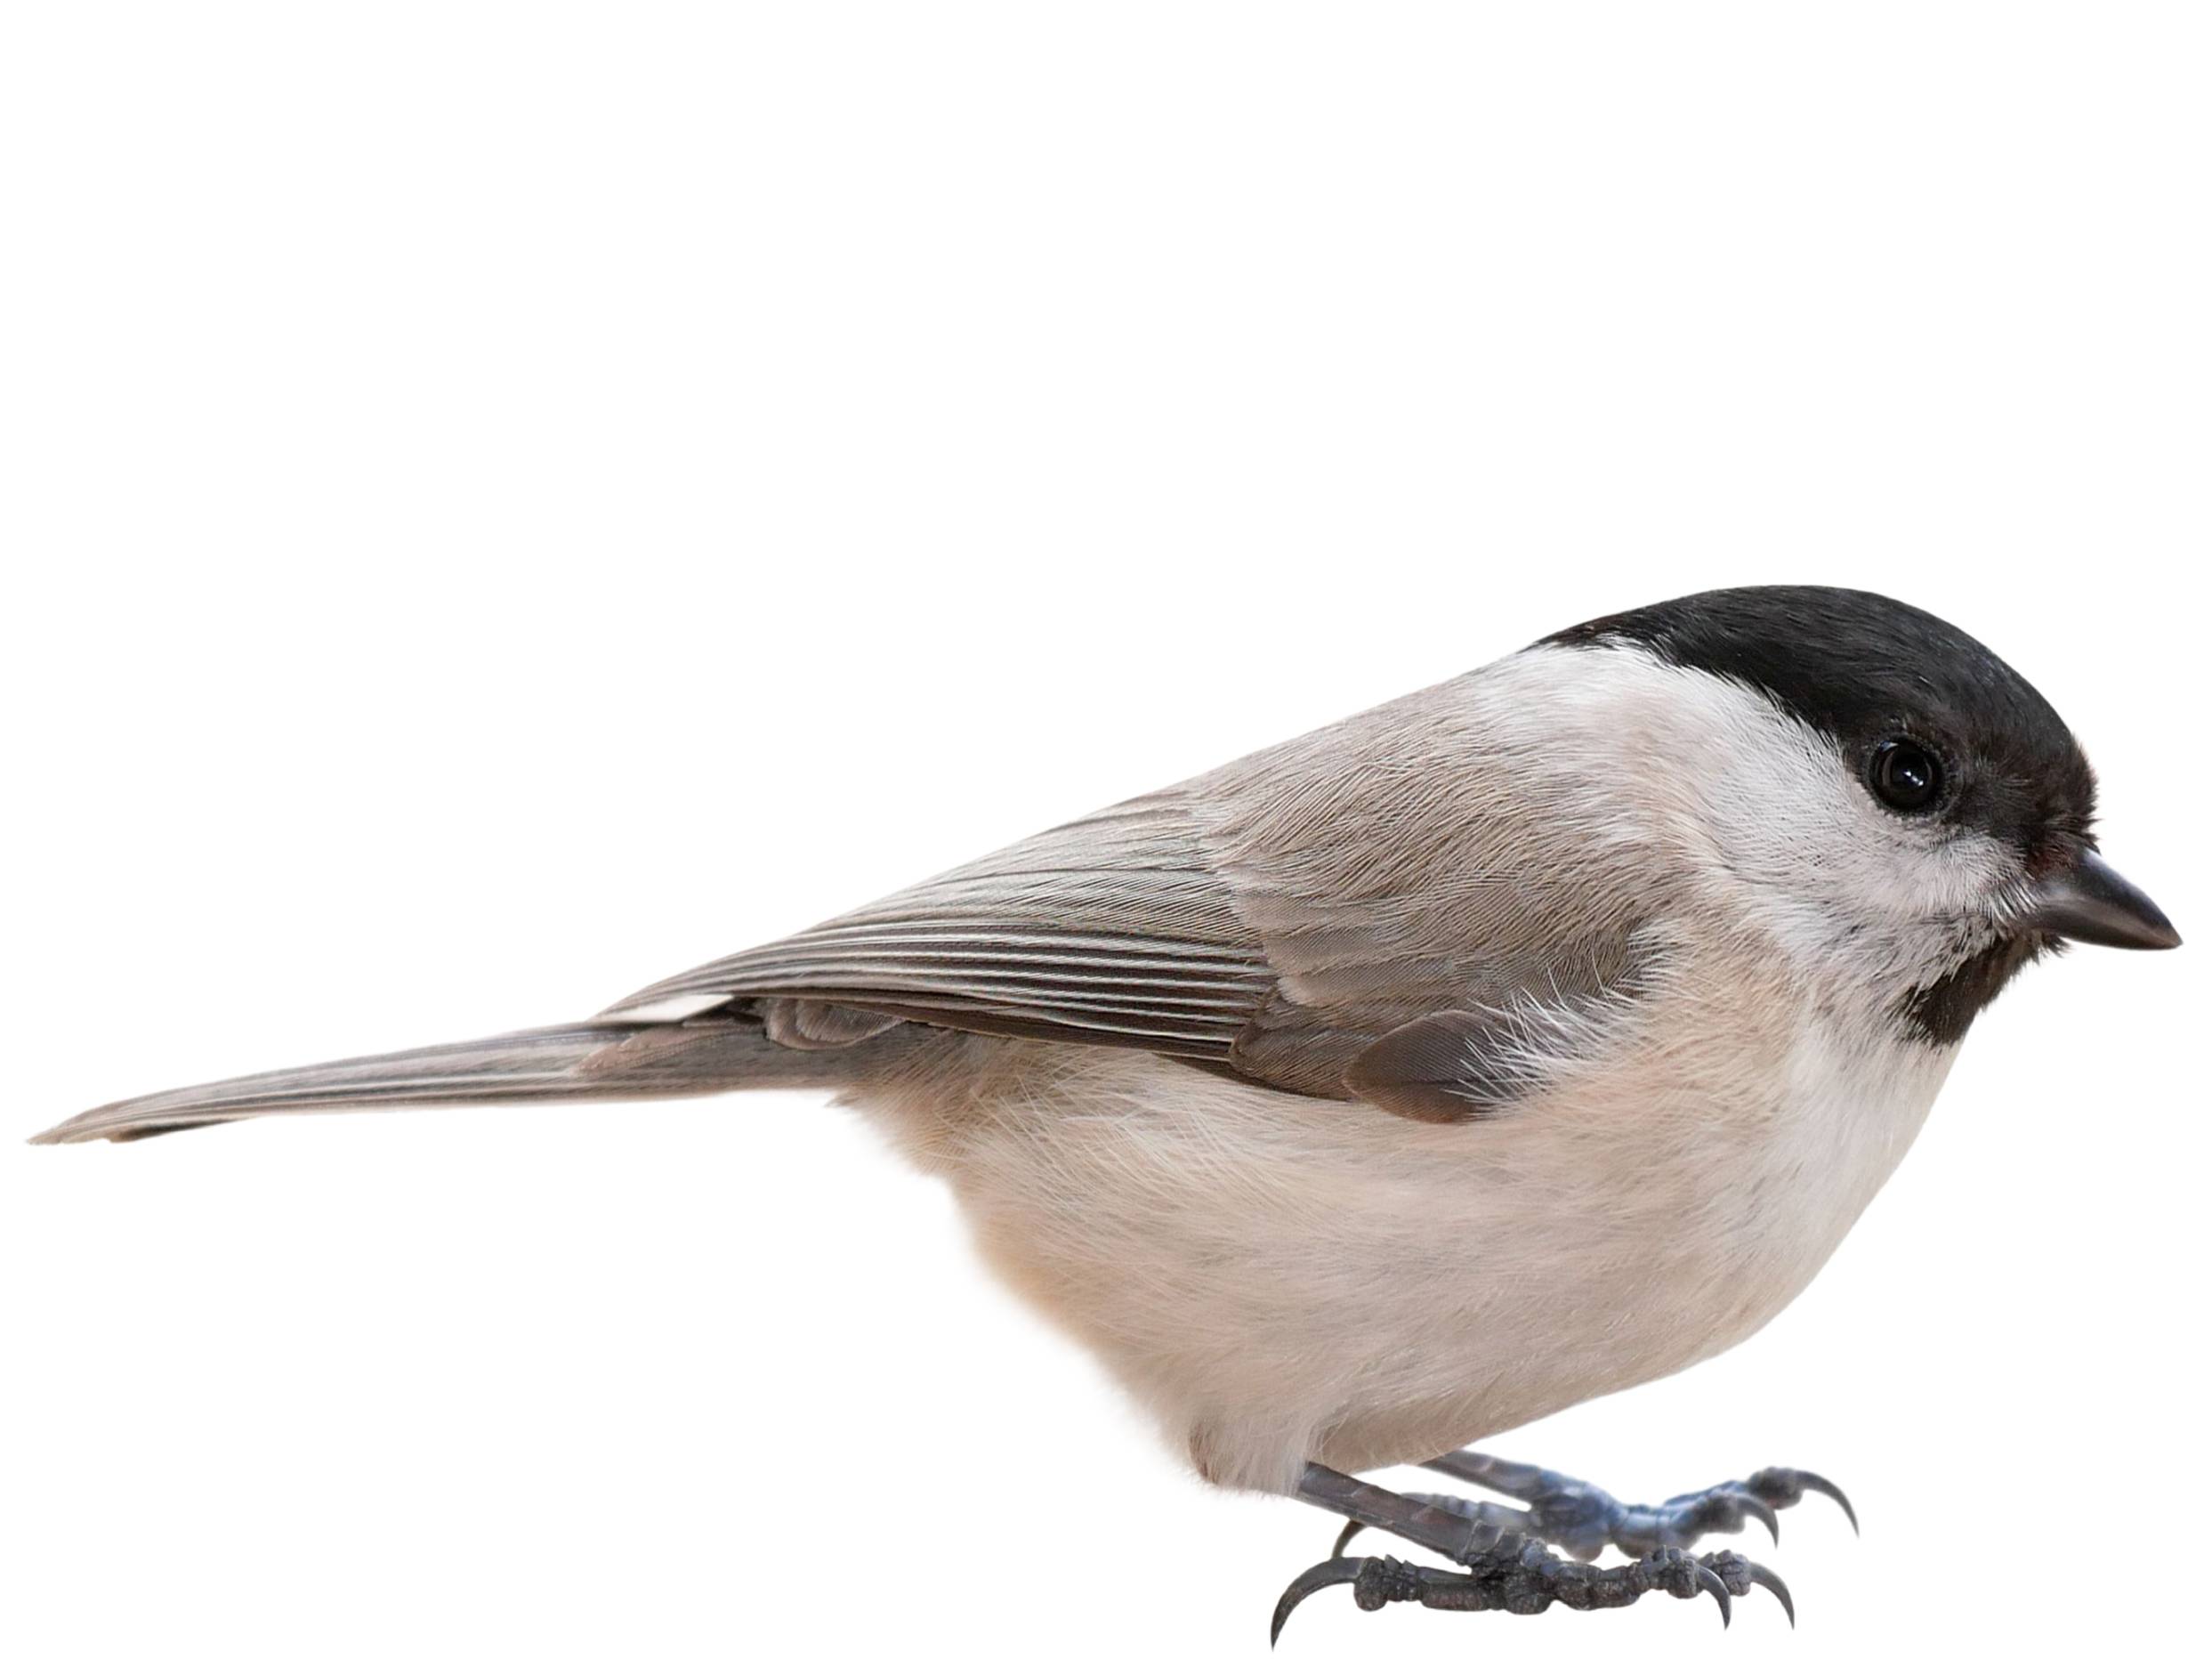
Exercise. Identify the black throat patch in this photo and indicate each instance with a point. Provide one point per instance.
(1943, 1012)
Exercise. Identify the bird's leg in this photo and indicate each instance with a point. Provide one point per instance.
(1499, 1565)
(1582, 1518)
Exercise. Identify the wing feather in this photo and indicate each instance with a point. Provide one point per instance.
(1276, 918)
(1114, 928)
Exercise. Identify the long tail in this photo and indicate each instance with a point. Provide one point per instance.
(605, 1062)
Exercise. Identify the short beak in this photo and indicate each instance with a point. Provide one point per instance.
(2092, 902)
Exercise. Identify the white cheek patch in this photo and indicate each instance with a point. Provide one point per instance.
(1975, 869)
(1773, 815)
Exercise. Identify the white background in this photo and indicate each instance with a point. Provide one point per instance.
(505, 502)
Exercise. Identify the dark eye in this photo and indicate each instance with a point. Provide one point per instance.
(1905, 775)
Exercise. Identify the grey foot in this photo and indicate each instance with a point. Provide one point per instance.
(1511, 1571)
(1582, 1518)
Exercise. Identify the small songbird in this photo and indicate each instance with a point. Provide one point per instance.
(1531, 1037)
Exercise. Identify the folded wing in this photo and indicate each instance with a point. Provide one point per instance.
(1112, 929)
(1276, 918)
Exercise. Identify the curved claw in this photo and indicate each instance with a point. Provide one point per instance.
(1352, 1529)
(1764, 1511)
(1769, 1579)
(1335, 1570)
(1710, 1582)
(1821, 1484)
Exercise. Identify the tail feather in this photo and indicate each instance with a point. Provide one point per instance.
(552, 1063)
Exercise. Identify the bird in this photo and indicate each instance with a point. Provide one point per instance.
(1531, 1037)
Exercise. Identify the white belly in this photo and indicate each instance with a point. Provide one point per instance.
(1281, 1279)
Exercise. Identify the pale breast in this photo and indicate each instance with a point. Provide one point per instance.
(1280, 1278)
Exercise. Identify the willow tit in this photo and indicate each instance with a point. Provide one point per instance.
(1433, 1072)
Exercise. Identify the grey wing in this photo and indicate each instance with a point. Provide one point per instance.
(1302, 918)
(1113, 929)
